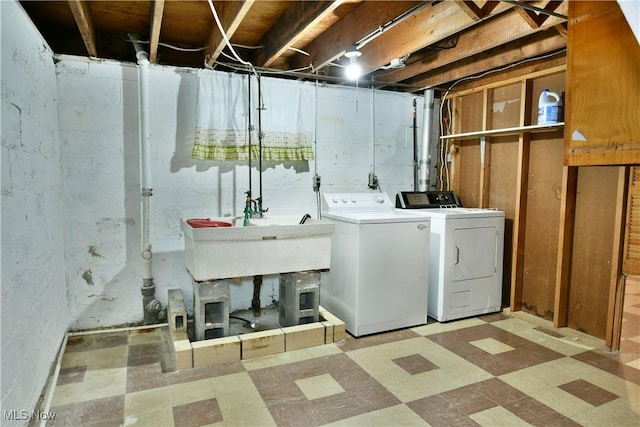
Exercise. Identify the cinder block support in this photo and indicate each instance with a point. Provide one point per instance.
(177, 311)
(299, 298)
(211, 309)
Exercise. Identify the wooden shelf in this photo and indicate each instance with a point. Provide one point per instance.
(506, 131)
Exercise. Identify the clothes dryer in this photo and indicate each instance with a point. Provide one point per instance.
(465, 257)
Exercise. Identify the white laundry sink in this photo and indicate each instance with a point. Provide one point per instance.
(271, 245)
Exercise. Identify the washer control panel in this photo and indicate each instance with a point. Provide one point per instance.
(340, 202)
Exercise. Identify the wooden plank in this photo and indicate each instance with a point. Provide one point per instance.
(426, 27)
(519, 223)
(293, 24)
(485, 152)
(154, 33)
(593, 243)
(603, 96)
(544, 184)
(82, 15)
(565, 245)
(502, 196)
(231, 15)
(332, 44)
(520, 40)
(617, 282)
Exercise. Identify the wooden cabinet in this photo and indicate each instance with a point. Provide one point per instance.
(603, 86)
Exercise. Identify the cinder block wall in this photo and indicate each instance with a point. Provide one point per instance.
(34, 294)
(100, 160)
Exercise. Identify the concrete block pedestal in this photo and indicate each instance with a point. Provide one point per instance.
(299, 298)
(211, 309)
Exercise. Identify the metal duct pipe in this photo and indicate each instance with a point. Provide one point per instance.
(150, 305)
(424, 163)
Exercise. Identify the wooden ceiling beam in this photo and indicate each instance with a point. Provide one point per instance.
(82, 16)
(365, 18)
(157, 10)
(474, 11)
(292, 26)
(231, 14)
(536, 19)
(538, 44)
(427, 27)
(492, 34)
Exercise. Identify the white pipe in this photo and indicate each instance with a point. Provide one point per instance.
(54, 380)
(424, 163)
(145, 154)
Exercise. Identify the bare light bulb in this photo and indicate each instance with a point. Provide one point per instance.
(353, 70)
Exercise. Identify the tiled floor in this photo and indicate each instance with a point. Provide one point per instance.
(492, 370)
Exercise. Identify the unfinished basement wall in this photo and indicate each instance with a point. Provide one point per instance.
(34, 304)
(100, 158)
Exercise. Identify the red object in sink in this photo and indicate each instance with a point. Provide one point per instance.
(206, 222)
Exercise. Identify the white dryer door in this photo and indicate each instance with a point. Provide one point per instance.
(474, 253)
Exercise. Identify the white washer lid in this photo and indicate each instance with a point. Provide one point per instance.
(376, 217)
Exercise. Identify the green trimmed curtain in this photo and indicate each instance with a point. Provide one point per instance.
(222, 125)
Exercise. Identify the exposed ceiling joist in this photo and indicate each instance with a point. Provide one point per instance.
(82, 16)
(231, 14)
(404, 45)
(157, 9)
(428, 26)
(540, 44)
(368, 16)
(297, 20)
(492, 35)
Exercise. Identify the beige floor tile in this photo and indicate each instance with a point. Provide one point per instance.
(259, 416)
(73, 360)
(398, 415)
(565, 345)
(262, 362)
(140, 402)
(634, 364)
(319, 386)
(155, 417)
(616, 413)
(436, 328)
(541, 382)
(97, 384)
(146, 336)
(454, 371)
(190, 392)
(236, 392)
(491, 346)
(114, 357)
(497, 417)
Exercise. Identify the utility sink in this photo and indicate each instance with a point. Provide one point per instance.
(270, 245)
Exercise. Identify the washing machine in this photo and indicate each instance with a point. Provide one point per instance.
(466, 254)
(378, 279)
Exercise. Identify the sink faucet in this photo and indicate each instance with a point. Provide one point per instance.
(252, 208)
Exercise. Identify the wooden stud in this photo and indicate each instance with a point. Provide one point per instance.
(82, 15)
(154, 34)
(565, 245)
(617, 283)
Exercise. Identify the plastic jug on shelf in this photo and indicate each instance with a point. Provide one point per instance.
(549, 108)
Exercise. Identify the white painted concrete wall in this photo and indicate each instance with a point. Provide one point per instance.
(99, 143)
(34, 304)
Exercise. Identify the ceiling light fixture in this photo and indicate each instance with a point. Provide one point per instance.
(353, 70)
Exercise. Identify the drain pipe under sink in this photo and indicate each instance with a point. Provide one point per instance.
(152, 308)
